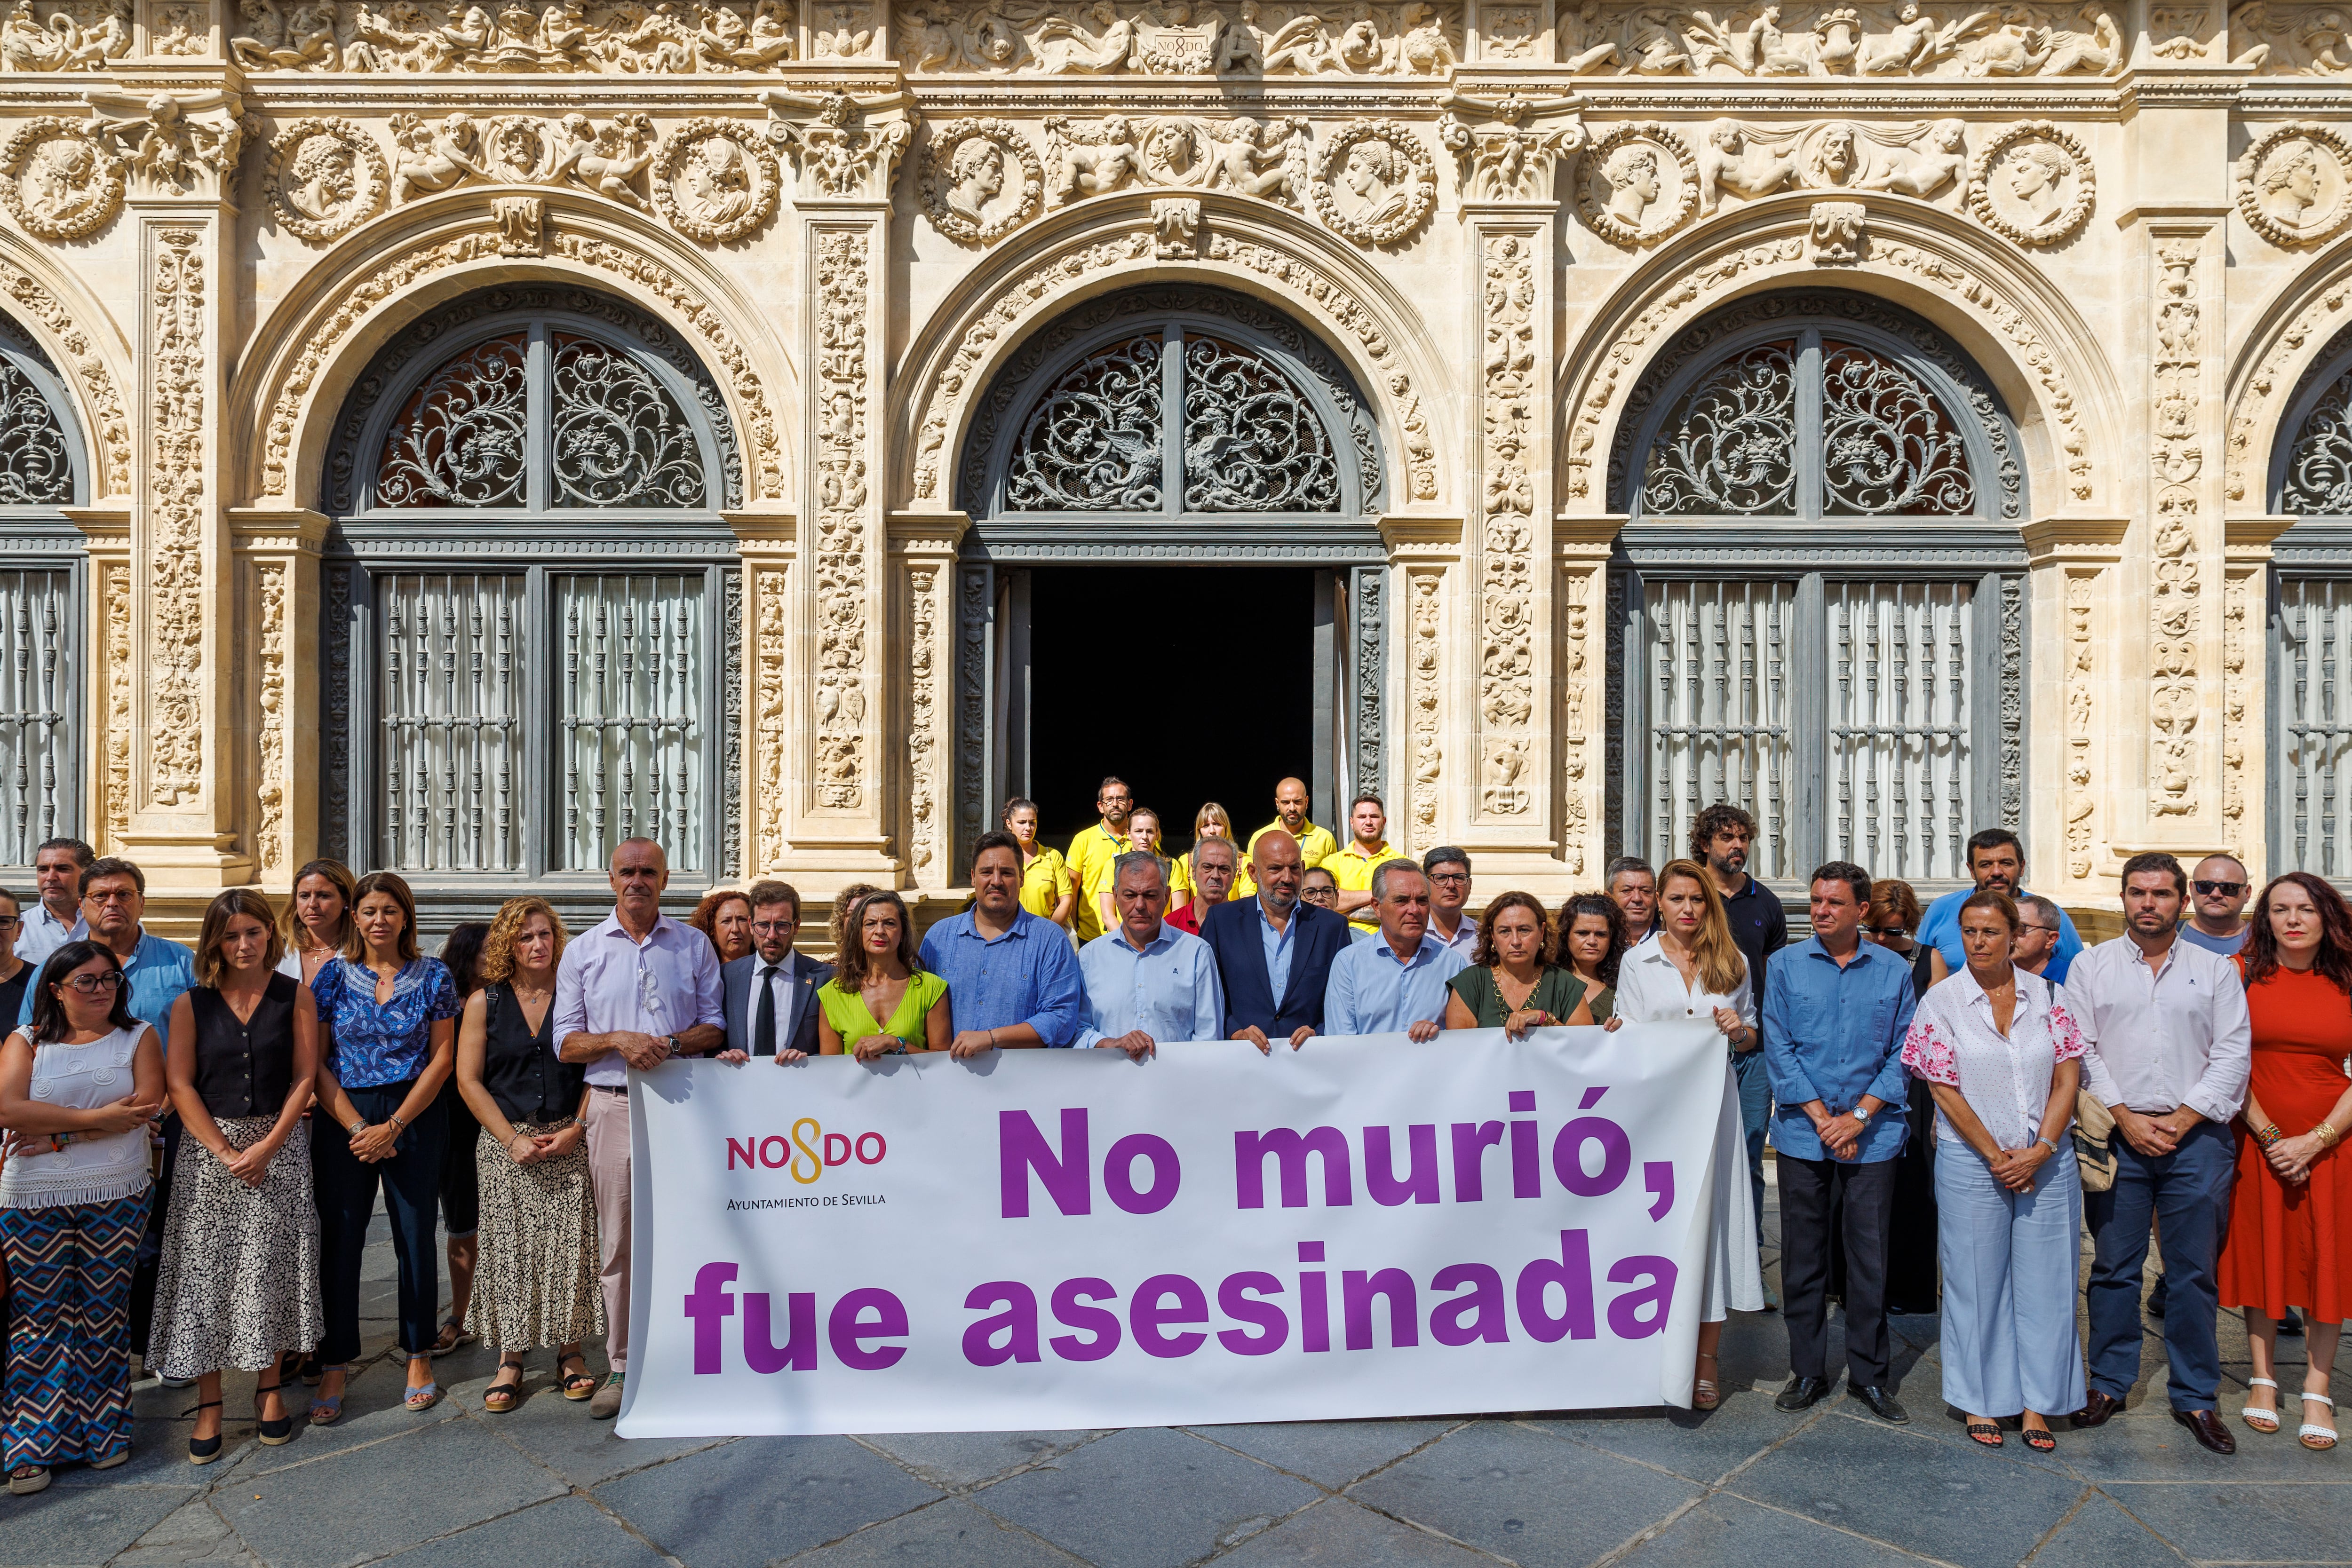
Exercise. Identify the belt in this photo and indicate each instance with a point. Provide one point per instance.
(620, 1089)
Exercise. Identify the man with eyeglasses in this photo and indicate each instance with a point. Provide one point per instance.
(54, 918)
(1448, 870)
(2219, 889)
(1092, 852)
(2039, 926)
(770, 993)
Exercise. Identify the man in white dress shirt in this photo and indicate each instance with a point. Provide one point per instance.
(2170, 1052)
(1146, 982)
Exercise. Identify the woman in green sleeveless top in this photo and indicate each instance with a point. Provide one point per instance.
(881, 1002)
(1512, 983)
(1591, 943)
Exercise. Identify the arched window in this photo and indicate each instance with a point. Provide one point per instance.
(2311, 621)
(43, 470)
(1817, 614)
(534, 604)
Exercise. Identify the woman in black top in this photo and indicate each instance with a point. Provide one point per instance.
(461, 1193)
(14, 973)
(537, 1281)
(239, 1283)
(1911, 1280)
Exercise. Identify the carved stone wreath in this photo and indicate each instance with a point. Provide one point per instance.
(2330, 199)
(939, 181)
(692, 180)
(2060, 224)
(1601, 156)
(59, 211)
(1410, 199)
(294, 164)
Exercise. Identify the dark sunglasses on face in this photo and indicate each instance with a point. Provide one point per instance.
(2225, 889)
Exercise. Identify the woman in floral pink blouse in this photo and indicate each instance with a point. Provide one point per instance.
(2003, 1059)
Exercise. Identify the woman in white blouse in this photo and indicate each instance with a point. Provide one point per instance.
(2003, 1059)
(1688, 969)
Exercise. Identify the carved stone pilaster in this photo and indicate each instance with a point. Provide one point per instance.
(2076, 564)
(923, 548)
(279, 588)
(1427, 554)
(1581, 720)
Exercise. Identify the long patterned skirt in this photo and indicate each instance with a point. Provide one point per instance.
(239, 1281)
(536, 1284)
(67, 1394)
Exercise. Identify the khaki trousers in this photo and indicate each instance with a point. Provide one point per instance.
(608, 1174)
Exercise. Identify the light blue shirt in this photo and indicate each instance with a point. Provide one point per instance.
(1941, 929)
(1371, 992)
(1168, 990)
(1834, 1033)
(41, 933)
(159, 972)
(1277, 951)
(1027, 976)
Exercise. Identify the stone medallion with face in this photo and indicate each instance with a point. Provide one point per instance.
(1375, 182)
(2292, 183)
(981, 180)
(2033, 184)
(324, 178)
(715, 180)
(1637, 184)
(59, 181)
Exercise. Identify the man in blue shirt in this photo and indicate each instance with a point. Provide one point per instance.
(1146, 982)
(1996, 860)
(1835, 1011)
(1392, 980)
(1012, 978)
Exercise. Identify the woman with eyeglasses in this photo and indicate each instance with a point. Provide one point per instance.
(1320, 888)
(14, 973)
(239, 1283)
(80, 1088)
(387, 1021)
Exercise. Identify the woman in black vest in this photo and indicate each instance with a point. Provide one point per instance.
(238, 1285)
(537, 1281)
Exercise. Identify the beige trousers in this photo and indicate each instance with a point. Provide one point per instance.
(608, 1174)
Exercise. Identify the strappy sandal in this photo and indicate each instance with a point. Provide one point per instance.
(453, 1335)
(1985, 1434)
(2314, 1436)
(1704, 1394)
(273, 1434)
(2041, 1439)
(326, 1412)
(204, 1450)
(2254, 1415)
(580, 1384)
(501, 1395)
(426, 1395)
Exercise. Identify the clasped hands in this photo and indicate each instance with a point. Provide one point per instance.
(2156, 1135)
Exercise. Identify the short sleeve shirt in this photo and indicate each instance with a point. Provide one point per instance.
(371, 1043)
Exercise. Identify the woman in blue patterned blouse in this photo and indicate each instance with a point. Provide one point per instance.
(387, 1042)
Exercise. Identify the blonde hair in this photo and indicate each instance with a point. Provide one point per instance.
(234, 902)
(1211, 809)
(497, 962)
(1721, 965)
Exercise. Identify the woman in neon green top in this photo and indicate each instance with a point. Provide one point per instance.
(879, 1001)
(1046, 888)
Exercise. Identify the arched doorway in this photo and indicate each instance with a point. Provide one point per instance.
(532, 602)
(1818, 602)
(44, 469)
(1174, 569)
(2310, 622)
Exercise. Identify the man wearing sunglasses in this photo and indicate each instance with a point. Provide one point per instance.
(2218, 891)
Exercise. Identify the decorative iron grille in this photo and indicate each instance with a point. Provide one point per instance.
(37, 624)
(1718, 703)
(1900, 698)
(629, 707)
(452, 658)
(2315, 630)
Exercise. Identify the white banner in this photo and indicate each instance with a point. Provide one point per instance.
(1058, 1239)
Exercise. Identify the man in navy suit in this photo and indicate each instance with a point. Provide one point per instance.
(1274, 953)
(770, 991)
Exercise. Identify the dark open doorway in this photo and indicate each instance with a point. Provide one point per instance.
(1192, 683)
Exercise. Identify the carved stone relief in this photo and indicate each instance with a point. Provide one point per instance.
(1638, 184)
(925, 853)
(1176, 228)
(270, 833)
(981, 180)
(176, 473)
(715, 180)
(1575, 675)
(1906, 158)
(2081, 805)
(2241, 611)
(1833, 236)
(177, 32)
(102, 402)
(2175, 596)
(1424, 665)
(843, 485)
(65, 35)
(974, 604)
(1374, 183)
(115, 603)
(1173, 38)
(2033, 184)
(2292, 183)
(324, 178)
(437, 155)
(1511, 32)
(2291, 40)
(423, 38)
(846, 148)
(1840, 40)
(175, 143)
(1509, 160)
(1506, 540)
(771, 707)
(59, 180)
(521, 224)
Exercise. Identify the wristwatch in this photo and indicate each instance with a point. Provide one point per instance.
(670, 1040)
(1861, 1115)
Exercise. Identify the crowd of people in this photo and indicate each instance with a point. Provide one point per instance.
(1950, 1094)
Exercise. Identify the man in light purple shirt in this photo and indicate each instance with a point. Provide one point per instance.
(633, 992)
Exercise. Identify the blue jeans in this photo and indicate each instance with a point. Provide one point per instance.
(2188, 1192)
(1755, 1115)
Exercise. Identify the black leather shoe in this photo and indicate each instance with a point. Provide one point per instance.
(2290, 1324)
(2096, 1408)
(1803, 1393)
(1882, 1405)
(2207, 1428)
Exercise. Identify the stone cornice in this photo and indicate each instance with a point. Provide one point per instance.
(2054, 540)
(1417, 538)
(275, 529)
(107, 526)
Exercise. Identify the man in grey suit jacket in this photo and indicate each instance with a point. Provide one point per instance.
(770, 991)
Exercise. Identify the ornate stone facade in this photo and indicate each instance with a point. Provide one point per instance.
(2125, 227)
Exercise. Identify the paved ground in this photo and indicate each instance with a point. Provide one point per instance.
(545, 1488)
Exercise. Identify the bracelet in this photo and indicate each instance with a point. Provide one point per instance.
(397, 1122)
(2268, 1137)
(357, 1127)
(2326, 1133)
(2048, 1144)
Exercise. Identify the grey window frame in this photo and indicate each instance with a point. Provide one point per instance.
(369, 544)
(2314, 549)
(42, 538)
(1811, 551)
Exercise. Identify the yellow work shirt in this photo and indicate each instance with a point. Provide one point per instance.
(1316, 845)
(1045, 882)
(1091, 853)
(1352, 869)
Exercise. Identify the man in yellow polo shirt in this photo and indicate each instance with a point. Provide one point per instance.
(1092, 852)
(1351, 868)
(1314, 844)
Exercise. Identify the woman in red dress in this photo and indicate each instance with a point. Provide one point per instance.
(2290, 1240)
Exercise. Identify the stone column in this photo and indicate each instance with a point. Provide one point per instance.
(1426, 552)
(773, 765)
(842, 813)
(183, 772)
(2074, 564)
(1580, 679)
(277, 589)
(923, 568)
